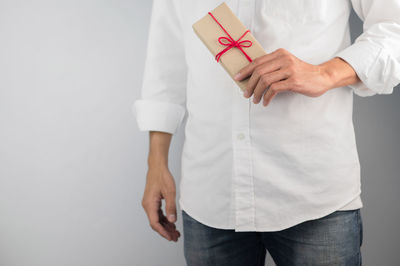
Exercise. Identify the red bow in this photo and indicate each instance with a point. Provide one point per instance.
(230, 42)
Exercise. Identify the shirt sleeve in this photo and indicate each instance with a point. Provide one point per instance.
(163, 92)
(375, 54)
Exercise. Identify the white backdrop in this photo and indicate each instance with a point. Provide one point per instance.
(73, 162)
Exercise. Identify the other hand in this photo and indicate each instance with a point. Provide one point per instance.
(160, 185)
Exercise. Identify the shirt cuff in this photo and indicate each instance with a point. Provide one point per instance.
(369, 61)
(158, 115)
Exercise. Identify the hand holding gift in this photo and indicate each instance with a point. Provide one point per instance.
(265, 75)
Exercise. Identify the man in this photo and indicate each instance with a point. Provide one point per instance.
(274, 168)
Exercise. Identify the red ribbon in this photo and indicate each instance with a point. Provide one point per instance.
(231, 42)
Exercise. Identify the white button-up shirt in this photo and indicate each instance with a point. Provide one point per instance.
(253, 168)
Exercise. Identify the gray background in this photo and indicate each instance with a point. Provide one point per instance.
(73, 162)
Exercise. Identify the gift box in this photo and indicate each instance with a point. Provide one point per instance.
(228, 40)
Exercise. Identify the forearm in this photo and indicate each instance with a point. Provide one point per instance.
(158, 148)
(339, 73)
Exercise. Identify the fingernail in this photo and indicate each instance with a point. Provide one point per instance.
(237, 76)
(171, 218)
(246, 93)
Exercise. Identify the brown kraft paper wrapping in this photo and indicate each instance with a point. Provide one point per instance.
(208, 30)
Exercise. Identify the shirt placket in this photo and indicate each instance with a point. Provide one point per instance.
(243, 183)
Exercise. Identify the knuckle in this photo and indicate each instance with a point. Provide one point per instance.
(244, 70)
(282, 50)
(273, 88)
(153, 226)
(171, 192)
(257, 71)
(291, 69)
(290, 59)
(262, 84)
(264, 81)
(256, 61)
(170, 205)
(256, 95)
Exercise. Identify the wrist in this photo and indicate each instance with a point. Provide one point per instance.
(157, 161)
(338, 73)
(329, 72)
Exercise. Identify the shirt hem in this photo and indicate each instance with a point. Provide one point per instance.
(271, 229)
(188, 211)
(305, 219)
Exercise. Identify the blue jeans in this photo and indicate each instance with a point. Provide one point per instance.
(331, 240)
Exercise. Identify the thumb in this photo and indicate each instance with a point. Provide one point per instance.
(170, 206)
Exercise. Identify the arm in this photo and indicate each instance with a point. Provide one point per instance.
(282, 71)
(161, 110)
(163, 94)
(374, 58)
(338, 73)
(375, 54)
(158, 148)
(160, 185)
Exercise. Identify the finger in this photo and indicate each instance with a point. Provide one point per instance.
(164, 221)
(246, 71)
(152, 213)
(170, 205)
(265, 68)
(172, 230)
(170, 227)
(162, 231)
(254, 79)
(176, 236)
(274, 89)
(265, 81)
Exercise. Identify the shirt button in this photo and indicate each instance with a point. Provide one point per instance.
(240, 136)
